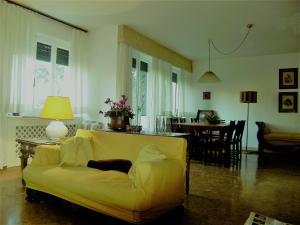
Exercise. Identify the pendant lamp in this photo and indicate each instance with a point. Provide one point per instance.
(209, 76)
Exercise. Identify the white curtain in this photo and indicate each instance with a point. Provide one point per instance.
(18, 32)
(16, 66)
(78, 73)
(185, 100)
(2, 93)
(160, 100)
(18, 58)
(124, 65)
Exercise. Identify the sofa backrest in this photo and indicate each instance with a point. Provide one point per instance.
(112, 145)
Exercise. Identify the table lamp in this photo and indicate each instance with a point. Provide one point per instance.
(57, 108)
(248, 97)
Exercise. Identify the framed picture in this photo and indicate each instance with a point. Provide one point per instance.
(288, 102)
(206, 95)
(288, 78)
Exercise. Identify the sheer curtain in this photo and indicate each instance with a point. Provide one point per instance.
(2, 93)
(16, 66)
(185, 94)
(78, 73)
(124, 68)
(160, 99)
(18, 31)
(18, 58)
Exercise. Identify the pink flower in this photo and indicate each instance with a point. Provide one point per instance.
(118, 108)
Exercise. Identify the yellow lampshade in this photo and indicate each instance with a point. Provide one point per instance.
(58, 108)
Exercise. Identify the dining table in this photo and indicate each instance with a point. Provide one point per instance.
(203, 126)
(202, 135)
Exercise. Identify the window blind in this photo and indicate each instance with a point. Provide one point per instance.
(174, 78)
(43, 52)
(144, 66)
(62, 57)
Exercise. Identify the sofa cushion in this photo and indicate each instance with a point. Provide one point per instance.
(282, 137)
(121, 165)
(147, 153)
(107, 187)
(77, 151)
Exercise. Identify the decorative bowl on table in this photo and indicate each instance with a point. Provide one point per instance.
(133, 129)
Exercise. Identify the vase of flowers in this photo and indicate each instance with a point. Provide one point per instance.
(119, 113)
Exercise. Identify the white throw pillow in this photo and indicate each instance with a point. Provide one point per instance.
(77, 151)
(148, 153)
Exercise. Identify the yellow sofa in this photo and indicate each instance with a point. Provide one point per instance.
(271, 140)
(158, 186)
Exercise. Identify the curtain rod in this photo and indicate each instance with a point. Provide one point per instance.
(46, 15)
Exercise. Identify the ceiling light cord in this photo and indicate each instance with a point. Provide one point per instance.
(249, 26)
(209, 41)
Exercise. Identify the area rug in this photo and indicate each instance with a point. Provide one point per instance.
(259, 219)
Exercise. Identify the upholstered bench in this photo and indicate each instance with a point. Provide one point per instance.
(271, 140)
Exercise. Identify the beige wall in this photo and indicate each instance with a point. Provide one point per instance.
(249, 73)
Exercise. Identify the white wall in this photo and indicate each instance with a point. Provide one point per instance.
(259, 74)
(102, 51)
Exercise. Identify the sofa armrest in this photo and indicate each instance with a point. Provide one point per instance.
(46, 155)
(162, 181)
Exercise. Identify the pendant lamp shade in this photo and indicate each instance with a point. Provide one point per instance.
(209, 77)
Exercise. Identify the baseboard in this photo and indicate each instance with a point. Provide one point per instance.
(3, 168)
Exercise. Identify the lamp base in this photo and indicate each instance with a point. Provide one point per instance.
(56, 130)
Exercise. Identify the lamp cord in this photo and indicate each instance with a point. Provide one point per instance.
(249, 26)
(209, 41)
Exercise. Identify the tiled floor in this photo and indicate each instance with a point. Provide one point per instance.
(218, 196)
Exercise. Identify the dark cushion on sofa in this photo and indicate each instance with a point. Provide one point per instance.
(121, 165)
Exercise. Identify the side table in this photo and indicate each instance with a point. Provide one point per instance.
(27, 149)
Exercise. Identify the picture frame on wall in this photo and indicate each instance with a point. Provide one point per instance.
(288, 78)
(206, 95)
(288, 102)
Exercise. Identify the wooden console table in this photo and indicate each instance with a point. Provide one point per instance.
(27, 149)
(28, 145)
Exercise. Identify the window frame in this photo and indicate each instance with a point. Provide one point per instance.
(175, 96)
(55, 44)
(141, 57)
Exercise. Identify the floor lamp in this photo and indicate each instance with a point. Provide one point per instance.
(248, 97)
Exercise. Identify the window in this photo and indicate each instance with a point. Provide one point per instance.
(52, 71)
(140, 82)
(174, 94)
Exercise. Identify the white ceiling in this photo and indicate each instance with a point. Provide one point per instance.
(185, 26)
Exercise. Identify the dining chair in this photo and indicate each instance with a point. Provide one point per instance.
(199, 140)
(194, 120)
(174, 125)
(237, 139)
(218, 148)
(182, 120)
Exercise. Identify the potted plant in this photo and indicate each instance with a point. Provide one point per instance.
(119, 113)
